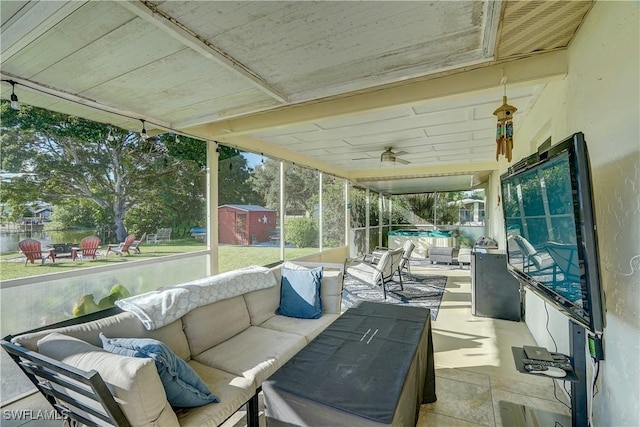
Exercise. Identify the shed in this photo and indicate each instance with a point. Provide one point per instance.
(245, 224)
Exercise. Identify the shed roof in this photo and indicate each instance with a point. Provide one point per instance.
(249, 208)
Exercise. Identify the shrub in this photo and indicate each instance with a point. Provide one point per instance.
(302, 232)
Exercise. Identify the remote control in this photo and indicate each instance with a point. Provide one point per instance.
(562, 365)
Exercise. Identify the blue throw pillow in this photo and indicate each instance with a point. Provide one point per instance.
(300, 293)
(183, 386)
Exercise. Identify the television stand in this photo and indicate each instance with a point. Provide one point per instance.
(520, 415)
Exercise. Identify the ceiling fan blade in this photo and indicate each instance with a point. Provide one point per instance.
(400, 153)
(403, 161)
(363, 158)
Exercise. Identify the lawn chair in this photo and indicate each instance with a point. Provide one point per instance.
(32, 250)
(565, 257)
(136, 244)
(407, 250)
(162, 235)
(88, 248)
(122, 247)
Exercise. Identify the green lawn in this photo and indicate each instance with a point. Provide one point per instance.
(230, 257)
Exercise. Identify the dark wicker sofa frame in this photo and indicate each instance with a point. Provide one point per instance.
(70, 390)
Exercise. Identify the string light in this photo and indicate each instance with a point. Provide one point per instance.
(15, 104)
(143, 132)
(110, 136)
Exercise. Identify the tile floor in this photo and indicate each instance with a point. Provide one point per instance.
(474, 367)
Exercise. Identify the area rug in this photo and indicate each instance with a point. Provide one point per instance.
(419, 291)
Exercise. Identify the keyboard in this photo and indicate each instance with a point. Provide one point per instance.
(555, 364)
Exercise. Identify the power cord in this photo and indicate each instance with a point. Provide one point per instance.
(555, 349)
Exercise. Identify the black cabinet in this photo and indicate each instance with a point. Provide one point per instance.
(494, 291)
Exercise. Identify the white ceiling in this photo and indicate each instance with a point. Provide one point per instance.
(316, 83)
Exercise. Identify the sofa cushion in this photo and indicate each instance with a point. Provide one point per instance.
(262, 304)
(233, 390)
(119, 325)
(181, 384)
(309, 328)
(300, 293)
(134, 382)
(255, 353)
(212, 324)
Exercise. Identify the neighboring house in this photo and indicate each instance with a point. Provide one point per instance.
(470, 211)
(245, 224)
(43, 213)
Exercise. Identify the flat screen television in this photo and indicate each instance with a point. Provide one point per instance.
(552, 247)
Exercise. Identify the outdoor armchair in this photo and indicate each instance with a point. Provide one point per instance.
(378, 274)
(88, 248)
(32, 250)
(136, 243)
(122, 247)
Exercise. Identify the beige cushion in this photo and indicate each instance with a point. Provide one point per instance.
(134, 381)
(331, 291)
(262, 304)
(212, 324)
(255, 353)
(233, 391)
(123, 325)
(309, 328)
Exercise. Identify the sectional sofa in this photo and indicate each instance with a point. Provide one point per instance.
(233, 344)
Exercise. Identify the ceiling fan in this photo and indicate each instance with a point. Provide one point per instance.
(388, 157)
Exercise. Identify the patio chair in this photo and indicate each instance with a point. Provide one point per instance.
(121, 248)
(565, 258)
(88, 248)
(532, 260)
(407, 250)
(32, 250)
(379, 274)
(136, 243)
(162, 235)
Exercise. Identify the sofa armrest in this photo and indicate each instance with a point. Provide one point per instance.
(56, 379)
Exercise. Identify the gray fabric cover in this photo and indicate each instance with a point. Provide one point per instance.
(372, 366)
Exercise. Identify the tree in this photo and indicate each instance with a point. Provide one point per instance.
(234, 179)
(301, 185)
(65, 159)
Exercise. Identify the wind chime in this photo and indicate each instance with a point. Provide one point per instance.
(504, 129)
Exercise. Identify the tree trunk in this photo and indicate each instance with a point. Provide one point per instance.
(121, 231)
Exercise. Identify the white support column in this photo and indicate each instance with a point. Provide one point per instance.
(282, 195)
(320, 214)
(380, 207)
(367, 218)
(212, 207)
(347, 215)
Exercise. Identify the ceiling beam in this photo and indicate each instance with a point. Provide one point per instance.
(24, 84)
(535, 69)
(422, 171)
(151, 14)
